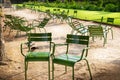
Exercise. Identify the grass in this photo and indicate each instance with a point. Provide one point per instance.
(93, 15)
(89, 15)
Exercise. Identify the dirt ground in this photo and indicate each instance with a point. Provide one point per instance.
(104, 61)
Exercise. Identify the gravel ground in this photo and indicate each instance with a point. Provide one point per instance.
(104, 61)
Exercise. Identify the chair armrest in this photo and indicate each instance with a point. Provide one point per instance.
(21, 48)
(86, 48)
(53, 48)
(35, 20)
(84, 55)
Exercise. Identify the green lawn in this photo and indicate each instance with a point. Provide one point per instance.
(88, 15)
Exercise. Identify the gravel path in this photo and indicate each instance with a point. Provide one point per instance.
(104, 61)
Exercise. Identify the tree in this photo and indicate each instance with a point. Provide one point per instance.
(101, 3)
(1, 45)
(1, 40)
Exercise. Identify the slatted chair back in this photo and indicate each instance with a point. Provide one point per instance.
(95, 30)
(77, 39)
(75, 14)
(40, 24)
(109, 28)
(78, 28)
(68, 12)
(54, 11)
(43, 23)
(110, 20)
(39, 37)
(58, 11)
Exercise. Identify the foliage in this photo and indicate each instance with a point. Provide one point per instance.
(92, 5)
(110, 7)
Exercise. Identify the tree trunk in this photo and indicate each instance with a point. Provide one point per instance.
(1, 37)
(1, 58)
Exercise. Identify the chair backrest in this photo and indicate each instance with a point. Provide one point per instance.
(110, 20)
(47, 11)
(8, 16)
(44, 22)
(95, 30)
(69, 19)
(58, 10)
(77, 39)
(54, 10)
(75, 13)
(39, 37)
(68, 12)
(78, 27)
(76, 44)
(77, 24)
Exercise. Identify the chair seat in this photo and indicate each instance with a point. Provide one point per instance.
(37, 56)
(66, 59)
(83, 31)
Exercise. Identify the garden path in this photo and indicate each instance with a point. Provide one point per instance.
(104, 61)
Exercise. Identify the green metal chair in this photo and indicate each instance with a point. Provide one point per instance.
(69, 58)
(78, 27)
(109, 28)
(33, 55)
(97, 31)
(7, 22)
(75, 13)
(58, 10)
(40, 24)
(17, 23)
(54, 11)
(62, 16)
(50, 15)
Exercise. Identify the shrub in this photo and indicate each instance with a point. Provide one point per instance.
(110, 7)
(118, 7)
(90, 7)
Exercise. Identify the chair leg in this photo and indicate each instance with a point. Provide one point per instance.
(93, 38)
(49, 69)
(17, 33)
(73, 73)
(52, 70)
(4, 28)
(89, 69)
(26, 67)
(105, 41)
(39, 29)
(10, 32)
(65, 69)
(72, 31)
(112, 33)
(45, 30)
